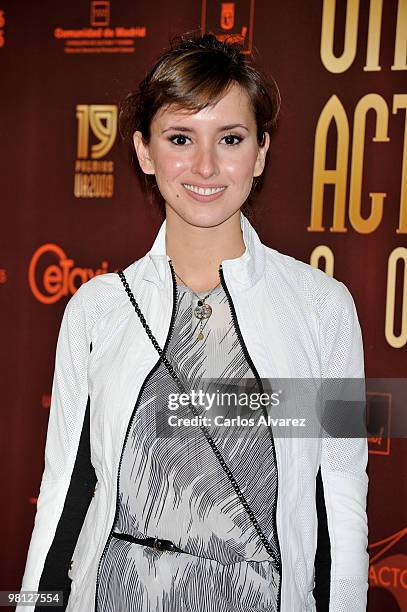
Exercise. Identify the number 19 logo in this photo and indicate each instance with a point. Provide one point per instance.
(102, 120)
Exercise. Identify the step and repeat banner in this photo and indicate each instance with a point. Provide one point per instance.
(335, 196)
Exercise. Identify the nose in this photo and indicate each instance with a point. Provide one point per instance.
(205, 162)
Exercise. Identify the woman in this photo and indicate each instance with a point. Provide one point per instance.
(224, 518)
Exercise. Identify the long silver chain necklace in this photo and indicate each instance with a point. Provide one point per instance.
(202, 310)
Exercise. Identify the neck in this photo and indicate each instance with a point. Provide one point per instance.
(197, 252)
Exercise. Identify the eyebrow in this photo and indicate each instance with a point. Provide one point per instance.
(186, 129)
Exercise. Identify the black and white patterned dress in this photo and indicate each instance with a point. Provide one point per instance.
(173, 487)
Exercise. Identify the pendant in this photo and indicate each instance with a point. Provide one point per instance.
(200, 336)
(203, 311)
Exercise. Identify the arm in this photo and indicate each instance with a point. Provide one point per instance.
(344, 459)
(68, 477)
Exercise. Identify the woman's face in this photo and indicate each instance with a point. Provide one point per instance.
(214, 148)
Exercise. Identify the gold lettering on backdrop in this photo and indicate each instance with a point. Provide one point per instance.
(338, 64)
(373, 36)
(93, 185)
(94, 177)
(332, 112)
(93, 165)
(400, 101)
(94, 116)
(323, 252)
(398, 254)
(400, 59)
(335, 115)
(82, 115)
(343, 62)
(368, 102)
(106, 132)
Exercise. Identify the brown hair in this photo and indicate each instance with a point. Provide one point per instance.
(192, 74)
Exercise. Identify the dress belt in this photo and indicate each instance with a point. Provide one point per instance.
(153, 542)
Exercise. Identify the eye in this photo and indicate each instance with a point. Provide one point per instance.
(175, 137)
(238, 138)
(182, 136)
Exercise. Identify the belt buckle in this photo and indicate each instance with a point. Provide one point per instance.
(163, 545)
(157, 544)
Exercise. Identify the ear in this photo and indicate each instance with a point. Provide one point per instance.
(143, 155)
(261, 156)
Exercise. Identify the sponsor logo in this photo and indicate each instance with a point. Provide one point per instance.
(378, 415)
(2, 24)
(228, 21)
(100, 36)
(227, 15)
(390, 573)
(49, 282)
(94, 176)
(99, 13)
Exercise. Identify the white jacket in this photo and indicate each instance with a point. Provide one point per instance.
(296, 322)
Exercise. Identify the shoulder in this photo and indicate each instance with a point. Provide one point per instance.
(314, 298)
(102, 295)
(319, 290)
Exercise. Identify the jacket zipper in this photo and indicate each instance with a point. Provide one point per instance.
(172, 323)
(249, 359)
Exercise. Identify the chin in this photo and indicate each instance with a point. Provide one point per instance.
(207, 215)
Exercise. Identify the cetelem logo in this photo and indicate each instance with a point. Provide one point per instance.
(94, 175)
(50, 282)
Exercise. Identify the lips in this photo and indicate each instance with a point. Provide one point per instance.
(206, 190)
(202, 194)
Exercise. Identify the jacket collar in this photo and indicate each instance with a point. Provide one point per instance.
(243, 271)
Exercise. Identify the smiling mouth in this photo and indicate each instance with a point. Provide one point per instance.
(205, 191)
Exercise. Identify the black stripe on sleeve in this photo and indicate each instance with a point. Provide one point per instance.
(323, 553)
(80, 492)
